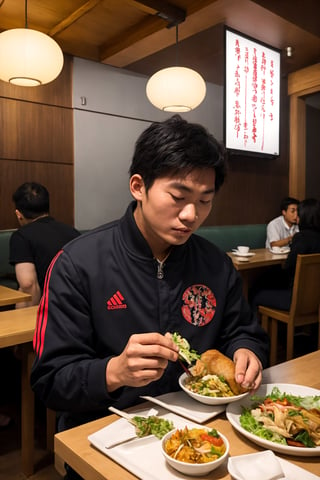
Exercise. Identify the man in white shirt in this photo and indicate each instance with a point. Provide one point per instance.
(281, 229)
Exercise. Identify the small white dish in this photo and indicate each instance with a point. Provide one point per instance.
(209, 400)
(242, 259)
(290, 470)
(282, 251)
(262, 465)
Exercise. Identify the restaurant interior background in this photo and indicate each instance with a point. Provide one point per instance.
(76, 135)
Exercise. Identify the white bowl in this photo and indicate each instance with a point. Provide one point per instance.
(194, 469)
(204, 398)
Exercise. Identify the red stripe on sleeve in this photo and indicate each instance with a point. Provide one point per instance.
(42, 315)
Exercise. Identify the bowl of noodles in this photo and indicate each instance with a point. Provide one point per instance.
(208, 389)
(195, 451)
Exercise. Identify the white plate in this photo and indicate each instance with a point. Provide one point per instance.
(184, 405)
(234, 411)
(208, 400)
(238, 254)
(284, 251)
(290, 470)
(142, 456)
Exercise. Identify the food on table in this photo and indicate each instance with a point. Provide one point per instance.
(152, 425)
(214, 376)
(209, 386)
(195, 445)
(284, 418)
(213, 373)
(185, 352)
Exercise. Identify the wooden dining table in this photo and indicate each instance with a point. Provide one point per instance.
(10, 296)
(73, 446)
(250, 267)
(17, 328)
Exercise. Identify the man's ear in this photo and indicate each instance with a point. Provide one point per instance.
(137, 187)
(19, 215)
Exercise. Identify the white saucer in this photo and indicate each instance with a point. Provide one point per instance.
(249, 254)
(282, 252)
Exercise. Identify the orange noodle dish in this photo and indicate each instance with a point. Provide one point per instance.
(195, 445)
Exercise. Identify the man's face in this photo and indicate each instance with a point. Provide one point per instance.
(291, 214)
(174, 207)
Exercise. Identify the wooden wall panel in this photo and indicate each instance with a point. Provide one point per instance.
(35, 132)
(312, 152)
(54, 93)
(251, 194)
(254, 186)
(301, 83)
(36, 144)
(58, 179)
(304, 80)
(297, 174)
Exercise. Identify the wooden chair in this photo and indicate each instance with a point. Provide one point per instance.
(304, 309)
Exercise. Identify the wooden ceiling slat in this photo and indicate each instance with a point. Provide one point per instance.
(147, 27)
(73, 17)
(142, 6)
(124, 32)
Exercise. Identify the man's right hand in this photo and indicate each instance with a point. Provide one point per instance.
(143, 361)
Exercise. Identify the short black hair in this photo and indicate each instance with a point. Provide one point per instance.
(309, 214)
(285, 202)
(173, 146)
(31, 199)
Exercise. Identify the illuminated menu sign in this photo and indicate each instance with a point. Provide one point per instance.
(252, 95)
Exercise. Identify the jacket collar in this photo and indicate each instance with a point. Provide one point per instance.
(135, 242)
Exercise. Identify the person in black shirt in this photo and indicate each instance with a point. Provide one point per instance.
(37, 241)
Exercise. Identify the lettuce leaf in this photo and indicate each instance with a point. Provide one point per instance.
(306, 402)
(185, 352)
(249, 423)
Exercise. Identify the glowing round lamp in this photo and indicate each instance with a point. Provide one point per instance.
(29, 57)
(176, 89)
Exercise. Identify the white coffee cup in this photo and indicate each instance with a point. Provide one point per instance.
(243, 249)
(276, 249)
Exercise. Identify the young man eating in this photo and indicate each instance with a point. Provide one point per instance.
(112, 294)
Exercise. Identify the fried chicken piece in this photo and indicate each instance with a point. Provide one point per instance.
(214, 362)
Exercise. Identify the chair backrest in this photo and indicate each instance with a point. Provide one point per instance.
(306, 287)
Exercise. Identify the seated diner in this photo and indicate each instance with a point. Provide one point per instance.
(118, 291)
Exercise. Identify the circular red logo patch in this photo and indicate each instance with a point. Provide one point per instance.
(199, 305)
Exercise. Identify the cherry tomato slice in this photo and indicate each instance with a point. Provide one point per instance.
(216, 441)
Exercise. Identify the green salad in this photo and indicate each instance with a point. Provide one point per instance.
(152, 425)
(284, 418)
